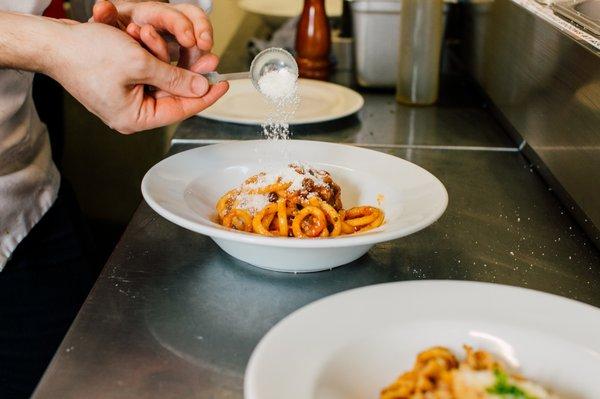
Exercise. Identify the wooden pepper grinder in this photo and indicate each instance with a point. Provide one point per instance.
(313, 41)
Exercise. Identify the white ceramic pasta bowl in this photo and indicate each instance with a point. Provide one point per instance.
(352, 344)
(185, 187)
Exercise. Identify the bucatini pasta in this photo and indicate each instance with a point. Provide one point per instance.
(437, 374)
(298, 201)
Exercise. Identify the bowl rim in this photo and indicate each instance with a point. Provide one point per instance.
(467, 290)
(374, 236)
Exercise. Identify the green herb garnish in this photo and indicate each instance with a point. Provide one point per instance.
(505, 389)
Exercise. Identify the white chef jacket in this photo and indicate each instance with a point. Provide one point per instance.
(29, 179)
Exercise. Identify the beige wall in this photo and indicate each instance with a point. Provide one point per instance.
(226, 17)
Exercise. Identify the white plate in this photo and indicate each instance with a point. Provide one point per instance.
(286, 8)
(319, 101)
(185, 187)
(351, 345)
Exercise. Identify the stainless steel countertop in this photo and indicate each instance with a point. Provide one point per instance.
(458, 121)
(172, 316)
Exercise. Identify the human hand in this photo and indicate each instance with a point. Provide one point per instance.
(152, 23)
(108, 71)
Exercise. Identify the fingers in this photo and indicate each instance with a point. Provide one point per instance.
(166, 110)
(206, 63)
(155, 43)
(105, 12)
(187, 23)
(165, 18)
(203, 30)
(134, 31)
(188, 56)
(174, 80)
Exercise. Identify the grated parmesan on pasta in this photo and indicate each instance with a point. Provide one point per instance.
(295, 173)
(295, 201)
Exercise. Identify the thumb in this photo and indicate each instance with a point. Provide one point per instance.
(176, 81)
(105, 12)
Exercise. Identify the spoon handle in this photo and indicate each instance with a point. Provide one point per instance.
(215, 77)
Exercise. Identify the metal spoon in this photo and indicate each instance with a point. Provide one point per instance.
(271, 59)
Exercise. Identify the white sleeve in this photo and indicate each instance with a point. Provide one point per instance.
(206, 5)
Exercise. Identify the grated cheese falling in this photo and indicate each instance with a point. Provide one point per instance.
(281, 90)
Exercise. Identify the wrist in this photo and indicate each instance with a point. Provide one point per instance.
(54, 40)
(29, 42)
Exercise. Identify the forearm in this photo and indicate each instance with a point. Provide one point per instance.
(28, 42)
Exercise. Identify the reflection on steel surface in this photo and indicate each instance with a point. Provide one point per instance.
(547, 86)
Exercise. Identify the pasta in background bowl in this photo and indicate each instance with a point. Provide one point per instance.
(353, 344)
(185, 187)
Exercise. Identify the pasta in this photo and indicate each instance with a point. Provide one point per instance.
(437, 374)
(298, 201)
